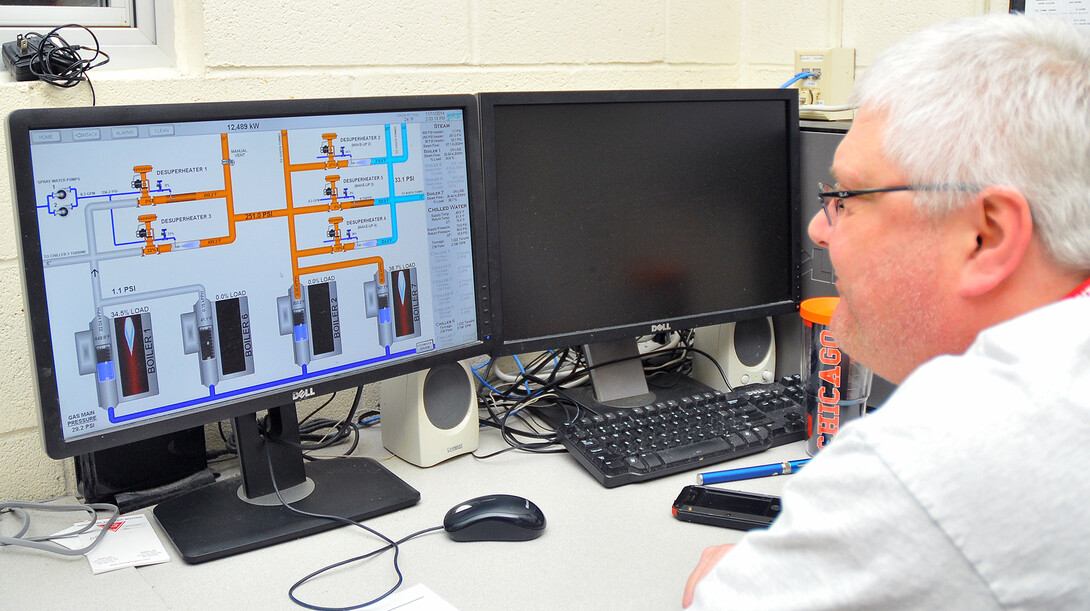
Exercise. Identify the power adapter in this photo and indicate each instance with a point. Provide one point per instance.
(23, 52)
(50, 58)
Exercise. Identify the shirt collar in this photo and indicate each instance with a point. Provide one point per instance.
(1083, 290)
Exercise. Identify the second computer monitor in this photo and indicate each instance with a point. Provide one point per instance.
(624, 213)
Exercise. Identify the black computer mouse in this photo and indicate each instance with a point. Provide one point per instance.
(496, 517)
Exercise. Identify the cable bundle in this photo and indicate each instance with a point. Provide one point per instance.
(545, 380)
(51, 59)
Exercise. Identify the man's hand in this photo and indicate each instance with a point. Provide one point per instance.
(708, 559)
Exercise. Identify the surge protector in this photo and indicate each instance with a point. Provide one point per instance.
(835, 74)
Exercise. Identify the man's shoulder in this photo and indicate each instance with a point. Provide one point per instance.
(1051, 335)
(982, 439)
(1014, 405)
(1008, 375)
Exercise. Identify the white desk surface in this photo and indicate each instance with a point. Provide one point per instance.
(616, 548)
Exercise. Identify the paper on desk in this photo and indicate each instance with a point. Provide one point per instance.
(131, 542)
(417, 598)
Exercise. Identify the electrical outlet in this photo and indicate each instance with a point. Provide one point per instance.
(834, 75)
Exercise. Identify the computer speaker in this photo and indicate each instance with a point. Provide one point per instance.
(429, 416)
(746, 350)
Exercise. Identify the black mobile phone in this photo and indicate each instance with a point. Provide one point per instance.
(729, 508)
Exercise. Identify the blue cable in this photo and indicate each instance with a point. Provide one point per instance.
(526, 380)
(482, 380)
(798, 77)
(522, 369)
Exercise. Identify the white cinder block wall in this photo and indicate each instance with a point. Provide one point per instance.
(262, 49)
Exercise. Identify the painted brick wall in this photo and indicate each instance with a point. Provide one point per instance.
(262, 49)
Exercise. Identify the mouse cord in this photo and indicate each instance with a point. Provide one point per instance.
(390, 543)
(394, 544)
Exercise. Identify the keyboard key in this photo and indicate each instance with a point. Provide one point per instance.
(652, 460)
(696, 450)
(636, 463)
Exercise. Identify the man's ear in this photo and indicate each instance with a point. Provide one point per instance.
(1000, 223)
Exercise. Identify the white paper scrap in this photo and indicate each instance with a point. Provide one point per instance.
(131, 542)
(417, 598)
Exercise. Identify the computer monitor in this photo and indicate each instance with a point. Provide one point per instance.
(186, 264)
(618, 214)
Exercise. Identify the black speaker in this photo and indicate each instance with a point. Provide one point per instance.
(431, 415)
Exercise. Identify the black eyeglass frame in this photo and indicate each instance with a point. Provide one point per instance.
(827, 193)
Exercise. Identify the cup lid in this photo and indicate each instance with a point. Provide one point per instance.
(818, 310)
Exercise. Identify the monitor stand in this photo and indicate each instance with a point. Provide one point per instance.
(227, 518)
(617, 375)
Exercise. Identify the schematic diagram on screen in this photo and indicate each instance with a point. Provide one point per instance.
(190, 262)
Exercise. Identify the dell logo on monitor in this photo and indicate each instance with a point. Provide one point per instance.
(659, 328)
(299, 395)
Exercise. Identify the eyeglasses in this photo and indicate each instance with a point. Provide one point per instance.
(831, 195)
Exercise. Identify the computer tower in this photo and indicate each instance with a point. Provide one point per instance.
(818, 141)
(142, 473)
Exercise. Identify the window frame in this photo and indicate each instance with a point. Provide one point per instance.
(118, 14)
(149, 43)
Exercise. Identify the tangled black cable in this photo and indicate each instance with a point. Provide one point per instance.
(310, 435)
(59, 63)
(539, 385)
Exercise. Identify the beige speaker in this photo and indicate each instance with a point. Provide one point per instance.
(746, 351)
(429, 416)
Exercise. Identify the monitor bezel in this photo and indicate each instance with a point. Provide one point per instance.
(21, 122)
(503, 345)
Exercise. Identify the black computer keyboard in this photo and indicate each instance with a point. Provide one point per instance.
(698, 428)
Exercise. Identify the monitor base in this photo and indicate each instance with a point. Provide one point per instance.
(213, 522)
(616, 373)
(683, 386)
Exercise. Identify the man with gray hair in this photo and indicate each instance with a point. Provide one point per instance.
(959, 229)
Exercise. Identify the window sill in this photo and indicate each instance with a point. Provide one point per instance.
(151, 46)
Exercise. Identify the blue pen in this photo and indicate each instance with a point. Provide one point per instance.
(733, 475)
